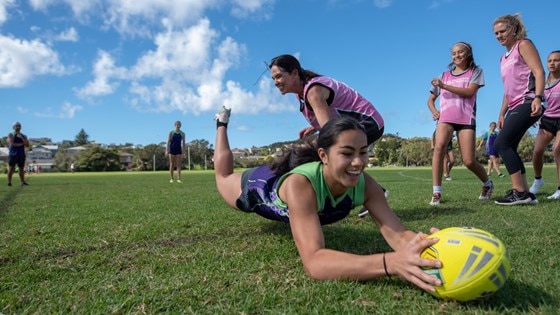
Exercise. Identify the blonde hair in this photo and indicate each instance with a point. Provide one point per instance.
(515, 24)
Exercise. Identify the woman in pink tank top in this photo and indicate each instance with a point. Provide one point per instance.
(523, 78)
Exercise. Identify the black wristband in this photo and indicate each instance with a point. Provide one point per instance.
(541, 97)
(385, 266)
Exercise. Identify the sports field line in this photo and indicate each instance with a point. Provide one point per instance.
(402, 174)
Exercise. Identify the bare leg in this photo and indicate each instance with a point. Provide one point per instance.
(556, 152)
(227, 182)
(543, 139)
(443, 135)
(171, 166)
(11, 171)
(178, 164)
(467, 139)
(450, 162)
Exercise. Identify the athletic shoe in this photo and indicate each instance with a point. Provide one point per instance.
(223, 115)
(555, 195)
(486, 192)
(448, 178)
(171, 181)
(537, 184)
(24, 184)
(436, 199)
(9, 184)
(513, 197)
(501, 175)
(363, 212)
(179, 181)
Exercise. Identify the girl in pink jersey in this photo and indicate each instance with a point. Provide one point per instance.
(523, 78)
(322, 99)
(457, 88)
(549, 127)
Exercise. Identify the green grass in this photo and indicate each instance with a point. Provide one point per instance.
(116, 243)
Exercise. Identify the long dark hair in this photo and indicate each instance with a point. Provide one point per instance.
(290, 63)
(308, 151)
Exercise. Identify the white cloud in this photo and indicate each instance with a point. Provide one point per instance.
(4, 4)
(66, 111)
(104, 70)
(69, 35)
(21, 60)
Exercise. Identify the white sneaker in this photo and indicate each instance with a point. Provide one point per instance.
(537, 184)
(436, 199)
(448, 178)
(555, 195)
(223, 115)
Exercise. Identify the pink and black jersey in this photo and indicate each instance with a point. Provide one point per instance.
(342, 101)
(455, 109)
(552, 96)
(519, 81)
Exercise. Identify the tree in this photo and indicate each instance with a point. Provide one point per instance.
(144, 158)
(63, 160)
(82, 138)
(201, 152)
(416, 151)
(97, 159)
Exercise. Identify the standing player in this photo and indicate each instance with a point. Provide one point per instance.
(549, 127)
(175, 149)
(17, 142)
(458, 88)
(523, 77)
(488, 139)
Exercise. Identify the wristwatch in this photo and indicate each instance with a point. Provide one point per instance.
(541, 97)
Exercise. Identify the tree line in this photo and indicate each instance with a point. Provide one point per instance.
(390, 150)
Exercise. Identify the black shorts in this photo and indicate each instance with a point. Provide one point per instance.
(550, 124)
(18, 160)
(457, 127)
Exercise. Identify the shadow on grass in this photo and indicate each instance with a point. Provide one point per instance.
(424, 213)
(7, 201)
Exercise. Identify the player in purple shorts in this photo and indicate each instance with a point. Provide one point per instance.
(523, 79)
(549, 127)
(319, 183)
(491, 153)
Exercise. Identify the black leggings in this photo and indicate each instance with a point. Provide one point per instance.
(516, 123)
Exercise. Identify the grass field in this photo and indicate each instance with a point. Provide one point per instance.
(120, 243)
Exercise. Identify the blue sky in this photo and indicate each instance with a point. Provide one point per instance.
(125, 71)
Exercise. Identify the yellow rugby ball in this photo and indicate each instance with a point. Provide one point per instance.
(475, 263)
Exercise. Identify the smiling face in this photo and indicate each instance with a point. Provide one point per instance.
(284, 81)
(344, 161)
(504, 34)
(460, 55)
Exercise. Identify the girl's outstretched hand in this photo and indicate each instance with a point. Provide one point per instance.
(408, 264)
